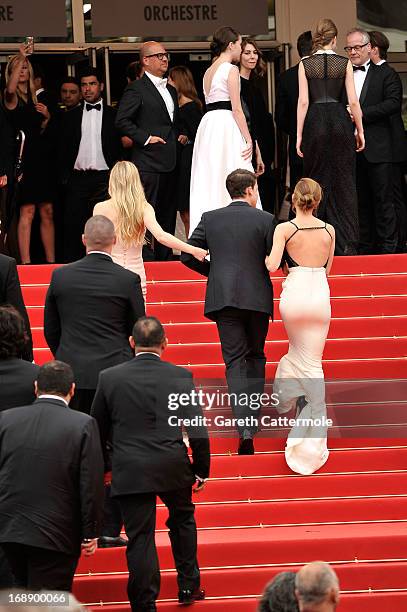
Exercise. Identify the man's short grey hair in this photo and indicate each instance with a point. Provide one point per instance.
(313, 582)
(366, 37)
(99, 232)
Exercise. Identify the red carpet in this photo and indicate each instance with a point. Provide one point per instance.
(256, 518)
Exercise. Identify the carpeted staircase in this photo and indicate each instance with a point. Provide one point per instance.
(255, 517)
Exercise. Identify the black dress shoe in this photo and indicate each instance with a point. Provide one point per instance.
(186, 597)
(108, 542)
(246, 446)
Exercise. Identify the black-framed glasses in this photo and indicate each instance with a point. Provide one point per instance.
(355, 48)
(159, 56)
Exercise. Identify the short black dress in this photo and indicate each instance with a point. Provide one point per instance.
(38, 182)
(190, 115)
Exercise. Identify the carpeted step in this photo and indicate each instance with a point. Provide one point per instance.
(339, 328)
(264, 444)
(243, 580)
(224, 547)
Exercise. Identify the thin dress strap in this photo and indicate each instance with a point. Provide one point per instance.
(325, 227)
(297, 230)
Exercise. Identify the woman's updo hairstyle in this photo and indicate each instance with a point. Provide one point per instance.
(325, 32)
(307, 194)
(221, 40)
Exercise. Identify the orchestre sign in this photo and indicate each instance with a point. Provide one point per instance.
(180, 18)
(22, 18)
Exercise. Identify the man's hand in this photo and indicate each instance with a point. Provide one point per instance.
(183, 139)
(199, 486)
(3, 180)
(89, 547)
(155, 139)
(127, 142)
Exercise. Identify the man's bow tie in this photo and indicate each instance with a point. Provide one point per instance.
(93, 106)
(362, 68)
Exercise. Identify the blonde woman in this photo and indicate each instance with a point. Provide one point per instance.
(37, 187)
(305, 246)
(132, 215)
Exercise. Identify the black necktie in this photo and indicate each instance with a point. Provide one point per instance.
(362, 68)
(93, 106)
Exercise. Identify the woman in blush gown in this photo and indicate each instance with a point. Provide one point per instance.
(326, 135)
(305, 246)
(132, 215)
(223, 142)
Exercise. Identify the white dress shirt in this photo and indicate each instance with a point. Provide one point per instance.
(55, 397)
(90, 154)
(380, 62)
(161, 85)
(99, 252)
(359, 78)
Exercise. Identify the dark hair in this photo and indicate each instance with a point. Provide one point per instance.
(89, 71)
(221, 40)
(380, 40)
(134, 71)
(279, 594)
(324, 33)
(13, 336)
(260, 68)
(304, 43)
(148, 332)
(238, 181)
(55, 377)
(184, 83)
(39, 73)
(72, 80)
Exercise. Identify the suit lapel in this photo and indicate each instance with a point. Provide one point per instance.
(154, 92)
(366, 84)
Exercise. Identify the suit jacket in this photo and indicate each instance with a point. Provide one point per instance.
(398, 133)
(238, 238)
(10, 293)
(142, 113)
(17, 383)
(379, 100)
(286, 102)
(70, 139)
(149, 455)
(8, 144)
(90, 309)
(51, 476)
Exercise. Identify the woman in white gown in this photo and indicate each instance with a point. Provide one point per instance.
(306, 247)
(223, 141)
(131, 215)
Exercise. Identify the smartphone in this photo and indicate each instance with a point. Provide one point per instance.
(29, 42)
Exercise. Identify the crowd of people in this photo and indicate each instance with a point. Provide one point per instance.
(184, 147)
(116, 212)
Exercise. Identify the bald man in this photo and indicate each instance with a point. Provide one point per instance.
(90, 309)
(317, 588)
(147, 115)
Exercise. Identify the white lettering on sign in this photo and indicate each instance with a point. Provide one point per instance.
(181, 12)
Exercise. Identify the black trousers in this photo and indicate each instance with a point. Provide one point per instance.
(112, 516)
(38, 568)
(160, 189)
(377, 211)
(139, 514)
(400, 201)
(6, 577)
(242, 335)
(83, 190)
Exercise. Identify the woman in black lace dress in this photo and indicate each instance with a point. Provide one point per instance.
(325, 133)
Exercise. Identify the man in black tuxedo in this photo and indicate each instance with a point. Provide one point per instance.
(51, 484)
(239, 293)
(286, 107)
(148, 114)
(380, 45)
(90, 309)
(135, 400)
(10, 293)
(17, 376)
(378, 92)
(89, 146)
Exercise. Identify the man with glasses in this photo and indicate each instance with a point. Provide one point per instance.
(377, 90)
(147, 114)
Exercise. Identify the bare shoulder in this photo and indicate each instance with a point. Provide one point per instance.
(330, 228)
